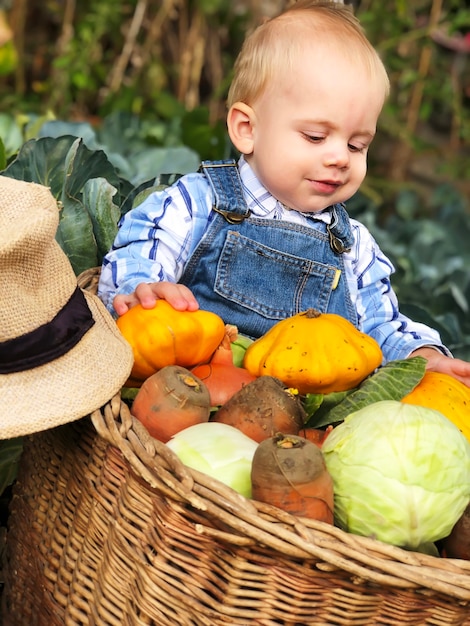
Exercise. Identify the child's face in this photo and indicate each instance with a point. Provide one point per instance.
(310, 131)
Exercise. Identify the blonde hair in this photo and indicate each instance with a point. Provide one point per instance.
(273, 48)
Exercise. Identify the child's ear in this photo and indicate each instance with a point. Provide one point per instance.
(240, 120)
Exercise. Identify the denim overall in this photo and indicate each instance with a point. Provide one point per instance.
(254, 272)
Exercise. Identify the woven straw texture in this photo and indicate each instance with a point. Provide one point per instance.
(107, 527)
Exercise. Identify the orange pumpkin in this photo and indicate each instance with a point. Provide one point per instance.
(164, 336)
(446, 394)
(314, 353)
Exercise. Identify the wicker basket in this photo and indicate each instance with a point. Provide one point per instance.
(108, 528)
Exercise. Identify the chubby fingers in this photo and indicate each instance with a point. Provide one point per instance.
(455, 367)
(123, 302)
(179, 296)
(438, 362)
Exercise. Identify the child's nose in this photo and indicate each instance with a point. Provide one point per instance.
(337, 156)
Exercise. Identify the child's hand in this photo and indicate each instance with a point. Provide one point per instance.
(438, 362)
(180, 297)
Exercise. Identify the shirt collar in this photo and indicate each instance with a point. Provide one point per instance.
(262, 204)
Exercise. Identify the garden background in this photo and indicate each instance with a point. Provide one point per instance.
(145, 81)
(100, 99)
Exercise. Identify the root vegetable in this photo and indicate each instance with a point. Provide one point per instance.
(221, 377)
(457, 544)
(171, 400)
(263, 408)
(289, 472)
(316, 435)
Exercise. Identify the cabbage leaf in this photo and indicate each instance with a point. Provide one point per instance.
(393, 381)
(401, 473)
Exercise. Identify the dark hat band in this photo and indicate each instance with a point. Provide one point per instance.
(50, 341)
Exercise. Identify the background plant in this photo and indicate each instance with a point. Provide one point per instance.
(164, 59)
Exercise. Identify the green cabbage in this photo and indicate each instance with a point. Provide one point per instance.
(218, 450)
(401, 473)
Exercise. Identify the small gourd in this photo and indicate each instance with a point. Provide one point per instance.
(163, 336)
(314, 353)
(445, 394)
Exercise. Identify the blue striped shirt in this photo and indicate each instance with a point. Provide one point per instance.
(156, 238)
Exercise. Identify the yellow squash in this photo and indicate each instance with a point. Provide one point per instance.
(446, 394)
(315, 353)
(163, 336)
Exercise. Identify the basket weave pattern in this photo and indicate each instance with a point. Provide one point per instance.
(107, 527)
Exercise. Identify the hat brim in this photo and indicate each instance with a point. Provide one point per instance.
(70, 387)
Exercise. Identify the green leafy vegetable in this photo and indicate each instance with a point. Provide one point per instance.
(75, 232)
(319, 406)
(218, 450)
(3, 157)
(83, 182)
(104, 214)
(391, 382)
(401, 473)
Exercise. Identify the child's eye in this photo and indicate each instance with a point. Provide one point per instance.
(313, 138)
(354, 148)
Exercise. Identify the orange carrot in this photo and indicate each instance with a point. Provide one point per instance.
(221, 377)
(170, 400)
(263, 408)
(289, 472)
(316, 435)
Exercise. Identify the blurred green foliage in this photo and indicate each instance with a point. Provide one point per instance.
(170, 62)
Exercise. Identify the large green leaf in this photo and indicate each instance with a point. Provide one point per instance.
(60, 128)
(142, 191)
(153, 162)
(11, 135)
(104, 214)
(319, 405)
(42, 161)
(75, 232)
(87, 226)
(391, 382)
(83, 164)
(62, 163)
(75, 235)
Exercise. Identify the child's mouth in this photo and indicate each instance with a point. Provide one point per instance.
(325, 186)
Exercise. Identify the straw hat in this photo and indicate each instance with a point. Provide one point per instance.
(61, 353)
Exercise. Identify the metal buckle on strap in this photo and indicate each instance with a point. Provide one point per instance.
(230, 217)
(336, 243)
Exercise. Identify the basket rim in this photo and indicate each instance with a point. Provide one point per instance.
(249, 522)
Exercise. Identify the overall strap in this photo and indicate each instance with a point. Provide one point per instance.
(225, 181)
(339, 231)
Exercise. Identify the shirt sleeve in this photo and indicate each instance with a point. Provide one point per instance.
(155, 239)
(377, 305)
